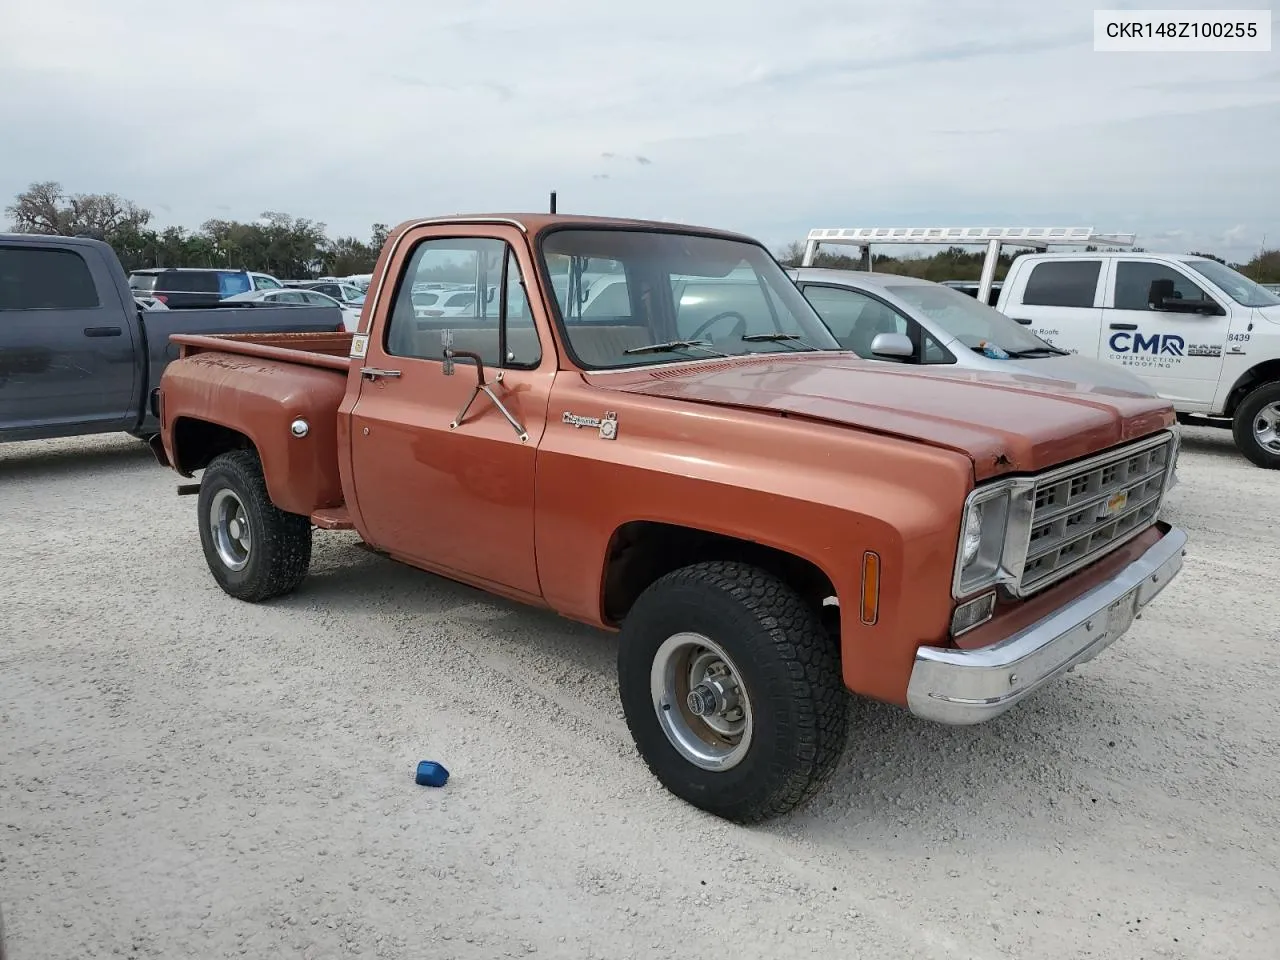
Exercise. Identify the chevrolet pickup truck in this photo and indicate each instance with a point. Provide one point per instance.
(765, 520)
(77, 353)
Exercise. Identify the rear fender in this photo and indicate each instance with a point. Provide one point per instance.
(286, 412)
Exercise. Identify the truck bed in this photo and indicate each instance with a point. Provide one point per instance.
(322, 349)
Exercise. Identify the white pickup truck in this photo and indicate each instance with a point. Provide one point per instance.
(1206, 337)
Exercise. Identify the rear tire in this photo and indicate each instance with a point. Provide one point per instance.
(782, 728)
(255, 550)
(1256, 426)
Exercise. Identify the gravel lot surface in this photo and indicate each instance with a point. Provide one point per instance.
(186, 776)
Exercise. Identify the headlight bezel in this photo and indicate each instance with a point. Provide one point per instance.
(1004, 510)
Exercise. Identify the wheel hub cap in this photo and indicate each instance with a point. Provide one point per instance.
(1266, 427)
(229, 525)
(700, 702)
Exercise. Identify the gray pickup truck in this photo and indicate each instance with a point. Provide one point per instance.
(79, 355)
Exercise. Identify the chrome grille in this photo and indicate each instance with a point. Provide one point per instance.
(1088, 509)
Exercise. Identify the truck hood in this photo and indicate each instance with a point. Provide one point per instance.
(1005, 423)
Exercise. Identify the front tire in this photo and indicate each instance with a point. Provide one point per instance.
(1256, 426)
(732, 690)
(255, 550)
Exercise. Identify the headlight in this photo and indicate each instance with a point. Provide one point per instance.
(972, 535)
(986, 530)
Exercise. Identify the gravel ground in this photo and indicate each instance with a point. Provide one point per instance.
(182, 775)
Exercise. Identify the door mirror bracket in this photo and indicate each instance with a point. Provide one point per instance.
(446, 337)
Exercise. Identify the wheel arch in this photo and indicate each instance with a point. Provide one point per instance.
(196, 442)
(639, 552)
(1256, 376)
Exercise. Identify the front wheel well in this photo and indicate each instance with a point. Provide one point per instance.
(197, 442)
(642, 551)
(1267, 372)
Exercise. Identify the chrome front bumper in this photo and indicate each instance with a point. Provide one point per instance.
(969, 686)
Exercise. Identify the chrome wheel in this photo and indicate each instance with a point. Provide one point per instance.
(229, 524)
(701, 703)
(1266, 427)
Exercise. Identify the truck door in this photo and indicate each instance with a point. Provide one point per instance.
(1060, 300)
(68, 360)
(454, 498)
(1150, 325)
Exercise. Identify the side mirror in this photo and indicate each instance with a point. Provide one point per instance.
(1178, 305)
(488, 297)
(446, 342)
(892, 346)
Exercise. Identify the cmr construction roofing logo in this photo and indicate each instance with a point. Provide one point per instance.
(1158, 344)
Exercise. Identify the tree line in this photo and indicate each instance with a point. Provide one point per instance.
(297, 248)
(292, 248)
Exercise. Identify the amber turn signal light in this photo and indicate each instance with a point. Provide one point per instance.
(870, 587)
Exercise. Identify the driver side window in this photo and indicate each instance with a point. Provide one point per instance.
(466, 274)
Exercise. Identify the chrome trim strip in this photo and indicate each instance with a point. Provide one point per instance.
(1101, 459)
(969, 686)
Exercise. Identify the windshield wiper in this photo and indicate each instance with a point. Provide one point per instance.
(1037, 351)
(668, 345)
(783, 338)
(1024, 354)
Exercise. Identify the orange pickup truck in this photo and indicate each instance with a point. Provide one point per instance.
(645, 427)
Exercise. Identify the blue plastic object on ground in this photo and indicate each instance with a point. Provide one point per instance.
(431, 774)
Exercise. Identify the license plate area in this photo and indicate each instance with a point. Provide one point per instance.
(1121, 613)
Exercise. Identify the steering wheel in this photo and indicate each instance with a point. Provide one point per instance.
(739, 328)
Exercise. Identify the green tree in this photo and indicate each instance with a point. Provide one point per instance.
(45, 207)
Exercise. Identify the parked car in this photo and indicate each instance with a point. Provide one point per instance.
(1205, 337)
(891, 319)
(79, 355)
(302, 297)
(766, 519)
(345, 293)
(197, 286)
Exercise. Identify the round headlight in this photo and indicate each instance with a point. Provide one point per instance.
(972, 534)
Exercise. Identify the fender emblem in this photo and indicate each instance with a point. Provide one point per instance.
(607, 425)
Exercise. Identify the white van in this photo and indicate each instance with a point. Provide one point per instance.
(1206, 337)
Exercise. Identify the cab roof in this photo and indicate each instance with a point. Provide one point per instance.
(535, 223)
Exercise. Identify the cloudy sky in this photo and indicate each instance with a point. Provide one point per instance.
(767, 117)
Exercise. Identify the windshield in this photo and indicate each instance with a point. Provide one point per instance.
(966, 319)
(1235, 285)
(142, 281)
(630, 297)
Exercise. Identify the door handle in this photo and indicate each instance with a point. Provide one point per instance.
(102, 331)
(373, 373)
(1022, 320)
(1124, 326)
